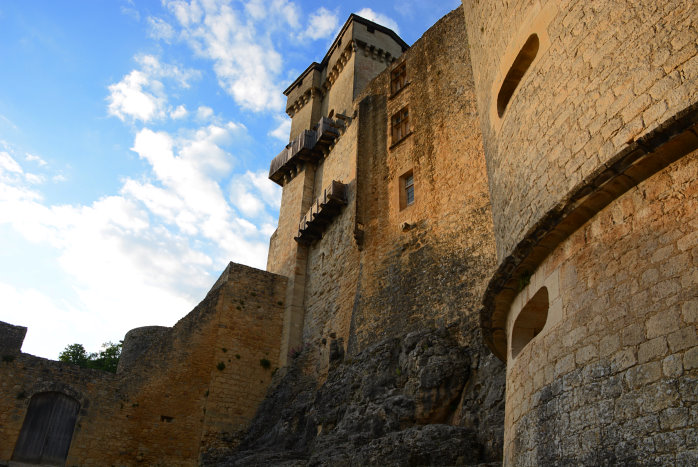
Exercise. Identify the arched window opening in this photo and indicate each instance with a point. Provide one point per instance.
(47, 429)
(516, 72)
(530, 321)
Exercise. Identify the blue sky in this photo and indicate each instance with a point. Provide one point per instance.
(135, 141)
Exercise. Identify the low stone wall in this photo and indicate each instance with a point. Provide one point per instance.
(195, 386)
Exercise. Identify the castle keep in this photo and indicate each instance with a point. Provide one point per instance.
(487, 252)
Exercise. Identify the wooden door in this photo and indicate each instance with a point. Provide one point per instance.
(47, 430)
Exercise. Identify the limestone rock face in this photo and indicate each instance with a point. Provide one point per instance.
(388, 405)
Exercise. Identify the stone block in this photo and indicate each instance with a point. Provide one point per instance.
(690, 359)
(641, 375)
(623, 359)
(684, 338)
(673, 418)
(662, 324)
(672, 366)
(652, 349)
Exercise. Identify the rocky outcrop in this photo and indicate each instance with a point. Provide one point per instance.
(393, 404)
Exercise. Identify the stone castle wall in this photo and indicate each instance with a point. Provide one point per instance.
(11, 338)
(605, 73)
(195, 386)
(381, 271)
(332, 269)
(355, 289)
(614, 381)
(427, 263)
(593, 190)
(594, 201)
(96, 391)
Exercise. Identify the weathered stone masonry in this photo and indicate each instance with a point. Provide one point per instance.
(552, 147)
(592, 178)
(193, 386)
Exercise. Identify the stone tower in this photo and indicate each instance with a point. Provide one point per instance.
(588, 112)
(320, 104)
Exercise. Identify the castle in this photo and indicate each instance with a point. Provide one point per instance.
(522, 180)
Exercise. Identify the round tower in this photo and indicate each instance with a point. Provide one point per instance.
(137, 341)
(589, 117)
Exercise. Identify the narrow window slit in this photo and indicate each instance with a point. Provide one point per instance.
(530, 321)
(516, 72)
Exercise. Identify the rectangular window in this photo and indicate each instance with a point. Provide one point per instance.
(406, 189)
(409, 189)
(400, 125)
(398, 78)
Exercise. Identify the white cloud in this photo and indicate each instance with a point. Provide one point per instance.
(282, 11)
(12, 172)
(270, 192)
(140, 95)
(379, 18)
(322, 23)
(131, 12)
(244, 58)
(34, 178)
(179, 112)
(144, 255)
(204, 112)
(252, 192)
(187, 193)
(8, 164)
(154, 68)
(128, 98)
(34, 158)
(246, 202)
(257, 9)
(160, 29)
(186, 13)
(282, 131)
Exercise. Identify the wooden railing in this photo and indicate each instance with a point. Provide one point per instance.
(321, 212)
(307, 146)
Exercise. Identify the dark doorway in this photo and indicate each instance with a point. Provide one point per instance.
(47, 429)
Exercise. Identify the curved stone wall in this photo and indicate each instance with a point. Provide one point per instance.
(137, 341)
(611, 379)
(605, 73)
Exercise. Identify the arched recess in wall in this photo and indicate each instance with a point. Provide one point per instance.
(47, 429)
(530, 321)
(517, 71)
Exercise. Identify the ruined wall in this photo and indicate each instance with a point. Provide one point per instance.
(136, 342)
(177, 398)
(248, 332)
(605, 73)
(614, 380)
(23, 376)
(11, 338)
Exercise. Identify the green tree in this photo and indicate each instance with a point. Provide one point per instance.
(75, 354)
(106, 359)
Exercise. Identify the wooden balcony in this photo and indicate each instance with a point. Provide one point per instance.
(320, 215)
(309, 146)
